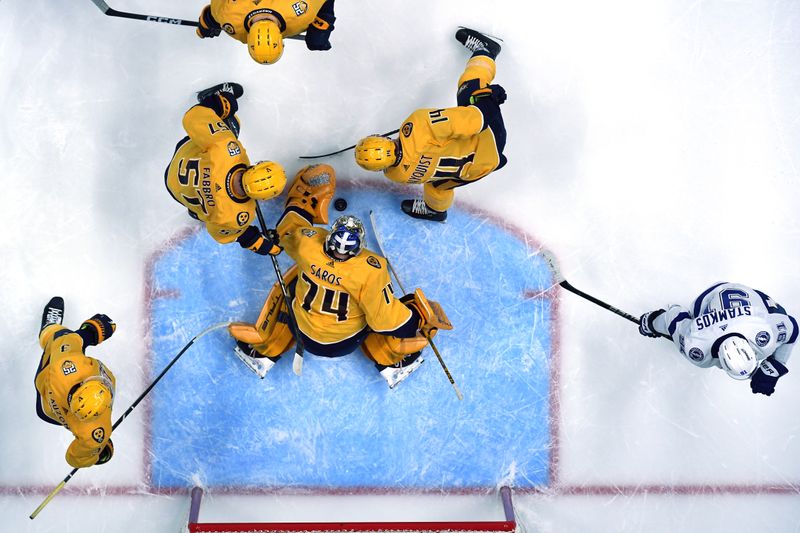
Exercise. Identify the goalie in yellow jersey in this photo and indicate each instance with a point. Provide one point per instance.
(211, 175)
(446, 148)
(263, 24)
(341, 293)
(74, 390)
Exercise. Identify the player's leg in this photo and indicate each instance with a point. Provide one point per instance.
(481, 68)
(394, 358)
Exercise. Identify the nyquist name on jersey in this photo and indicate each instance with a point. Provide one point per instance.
(713, 317)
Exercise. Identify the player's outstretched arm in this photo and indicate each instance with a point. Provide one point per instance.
(208, 27)
(96, 329)
(318, 33)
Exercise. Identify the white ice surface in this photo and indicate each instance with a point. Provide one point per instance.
(654, 146)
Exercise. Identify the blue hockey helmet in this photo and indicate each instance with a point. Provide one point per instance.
(346, 238)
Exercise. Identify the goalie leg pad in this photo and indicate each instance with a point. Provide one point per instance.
(270, 335)
(312, 191)
(387, 351)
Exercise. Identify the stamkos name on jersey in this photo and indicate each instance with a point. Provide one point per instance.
(324, 275)
(713, 317)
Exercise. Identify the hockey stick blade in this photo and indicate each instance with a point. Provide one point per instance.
(297, 364)
(552, 263)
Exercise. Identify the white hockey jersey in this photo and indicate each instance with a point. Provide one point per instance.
(727, 308)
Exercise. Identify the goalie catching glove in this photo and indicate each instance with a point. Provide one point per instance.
(312, 191)
(431, 315)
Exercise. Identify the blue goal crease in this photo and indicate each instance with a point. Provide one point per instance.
(339, 425)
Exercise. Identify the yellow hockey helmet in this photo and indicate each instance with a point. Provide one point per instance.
(91, 398)
(375, 152)
(264, 180)
(265, 42)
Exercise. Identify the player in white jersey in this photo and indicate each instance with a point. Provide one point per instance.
(733, 327)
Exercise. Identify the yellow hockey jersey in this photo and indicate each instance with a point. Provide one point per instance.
(334, 300)
(445, 144)
(200, 174)
(64, 365)
(293, 16)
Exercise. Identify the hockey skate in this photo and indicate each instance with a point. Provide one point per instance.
(53, 312)
(398, 372)
(260, 365)
(419, 209)
(476, 42)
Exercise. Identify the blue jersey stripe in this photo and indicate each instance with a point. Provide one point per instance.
(699, 300)
(674, 324)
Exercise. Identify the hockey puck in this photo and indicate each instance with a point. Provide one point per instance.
(340, 204)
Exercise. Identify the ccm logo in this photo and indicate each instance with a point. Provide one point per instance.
(164, 19)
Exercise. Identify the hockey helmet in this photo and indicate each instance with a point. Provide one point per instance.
(737, 356)
(265, 42)
(91, 398)
(376, 152)
(346, 237)
(264, 180)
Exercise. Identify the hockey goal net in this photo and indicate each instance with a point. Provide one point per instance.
(507, 524)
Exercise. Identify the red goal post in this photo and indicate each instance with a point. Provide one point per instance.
(195, 526)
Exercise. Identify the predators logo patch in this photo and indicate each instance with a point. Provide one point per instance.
(299, 8)
(227, 28)
(243, 218)
(407, 127)
(308, 232)
(68, 367)
(373, 262)
(98, 434)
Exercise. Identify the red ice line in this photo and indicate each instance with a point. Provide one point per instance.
(554, 487)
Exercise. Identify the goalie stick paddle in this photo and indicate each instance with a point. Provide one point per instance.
(552, 263)
(131, 408)
(343, 149)
(400, 284)
(299, 349)
(111, 12)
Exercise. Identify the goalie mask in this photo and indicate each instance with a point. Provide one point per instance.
(346, 238)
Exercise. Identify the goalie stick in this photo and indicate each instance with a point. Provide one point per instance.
(111, 12)
(552, 263)
(131, 408)
(343, 149)
(299, 349)
(400, 284)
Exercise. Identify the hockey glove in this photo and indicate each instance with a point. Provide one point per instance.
(646, 323)
(766, 376)
(106, 453)
(97, 329)
(257, 242)
(208, 26)
(431, 315)
(318, 33)
(223, 104)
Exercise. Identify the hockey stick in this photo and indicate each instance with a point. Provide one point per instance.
(102, 6)
(299, 351)
(552, 263)
(400, 284)
(131, 408)
(343, 149)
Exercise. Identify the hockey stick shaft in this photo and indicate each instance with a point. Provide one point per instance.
(300, 349)
(111, 12)
(131, 408)
(400, 284)
(342, 150)
(552, 263)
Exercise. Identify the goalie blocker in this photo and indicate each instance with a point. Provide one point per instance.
(344, 298)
